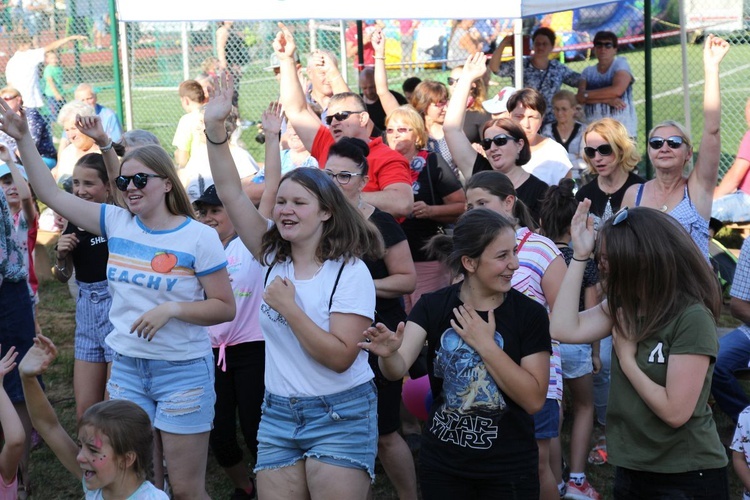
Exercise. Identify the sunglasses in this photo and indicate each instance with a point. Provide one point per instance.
(498, 140)
(400, 130)
(604, 150)
(341, 116)
(139, 180)
(452, 81)
(9, 97)
(342, 178)
(674, 142)
(606, 45)
(440, 104)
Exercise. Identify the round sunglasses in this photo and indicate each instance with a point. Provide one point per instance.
(139, 180)
(604, 150)
(498, 140)
(674, 142)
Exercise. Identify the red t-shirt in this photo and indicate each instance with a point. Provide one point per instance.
(386, 166)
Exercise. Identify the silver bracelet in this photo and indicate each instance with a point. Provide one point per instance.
(106, 148)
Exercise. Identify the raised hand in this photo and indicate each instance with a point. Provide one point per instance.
(283, 44)
(220, 101)
(382, 341)
(38, 358)
(12, 123)
(475, 66)
(378, 42)
(714, 50)
(8, 363)
(582, 231)
(5, 154)
(92, 127)
(272, 118)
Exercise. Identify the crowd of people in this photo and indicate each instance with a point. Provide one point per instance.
(441, 235)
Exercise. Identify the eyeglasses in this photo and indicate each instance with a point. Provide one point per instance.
(674, 142)
(400, 130)
(139, 180)
(620, 216)
(452, 81)
(341, 116)
(604, 150)
(440, 104)
(606, 45)
(342, 178)
(498, 140)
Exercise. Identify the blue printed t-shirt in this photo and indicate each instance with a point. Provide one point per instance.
(147, 268)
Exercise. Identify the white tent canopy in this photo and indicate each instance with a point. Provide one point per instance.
(174, 10)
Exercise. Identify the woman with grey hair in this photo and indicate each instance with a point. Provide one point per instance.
(80, 144)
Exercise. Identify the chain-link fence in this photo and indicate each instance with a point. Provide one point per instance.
(161, 55)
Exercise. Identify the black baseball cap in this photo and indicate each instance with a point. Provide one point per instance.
(209, 197)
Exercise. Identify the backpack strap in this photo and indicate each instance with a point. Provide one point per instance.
(268, 273)
(335, 285)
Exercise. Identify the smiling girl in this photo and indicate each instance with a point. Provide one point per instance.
(488, 361)
(114, 451)
(318, 432)
(167, 275)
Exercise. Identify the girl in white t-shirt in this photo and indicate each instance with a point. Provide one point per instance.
(167, 276)
(318, 432)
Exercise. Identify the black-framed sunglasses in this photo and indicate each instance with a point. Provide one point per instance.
(139, 180)
(604, 150)
(342, 178)
(606, 45)
(620, 216)
(498, 140)
(674, 142)
(341, 116)
(452, 81)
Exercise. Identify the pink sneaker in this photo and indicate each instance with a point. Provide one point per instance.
(582, 492)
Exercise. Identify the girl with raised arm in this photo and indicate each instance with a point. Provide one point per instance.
(661, 302)
(318, 432)
(167, 275)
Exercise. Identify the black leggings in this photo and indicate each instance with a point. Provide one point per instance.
(238, 390)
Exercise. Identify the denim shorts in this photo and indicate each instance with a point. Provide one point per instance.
(178, 396)
(547, 420)
(92, 322)
(338, 429)
(576, 360)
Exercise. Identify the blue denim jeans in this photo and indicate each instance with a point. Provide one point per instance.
(734, 353)
(601, 381)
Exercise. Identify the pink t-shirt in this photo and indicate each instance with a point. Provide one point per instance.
(744, 153)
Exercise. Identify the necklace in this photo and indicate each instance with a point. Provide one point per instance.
(150, 230)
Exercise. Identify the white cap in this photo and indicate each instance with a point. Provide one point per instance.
(499, 103)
